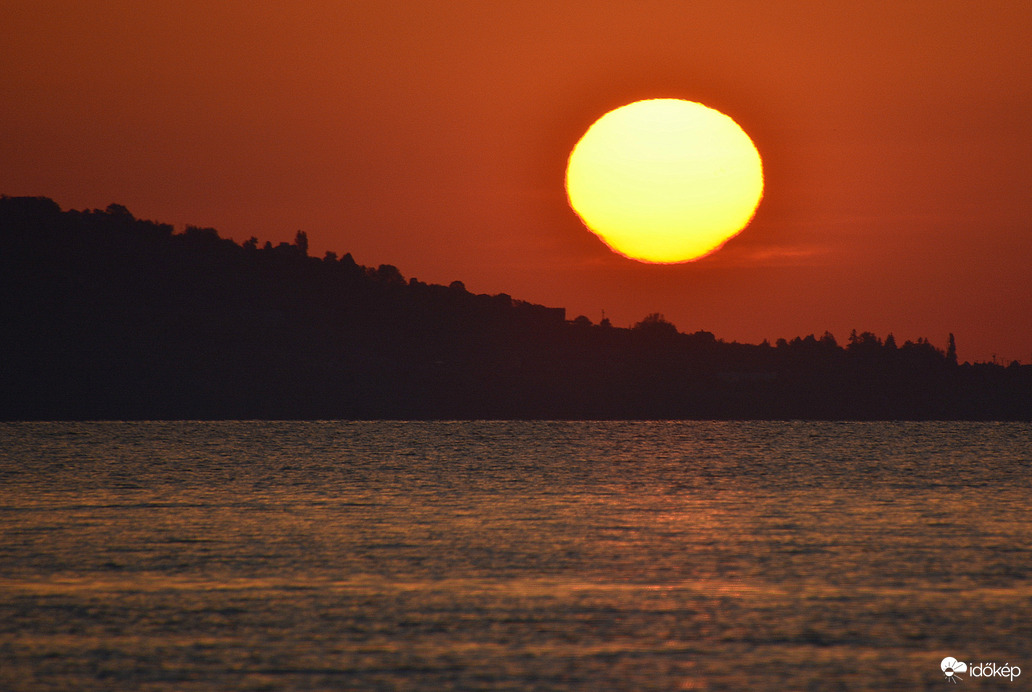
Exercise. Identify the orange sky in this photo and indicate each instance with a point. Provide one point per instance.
(434, 136)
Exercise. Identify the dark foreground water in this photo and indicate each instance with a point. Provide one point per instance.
(513, 556)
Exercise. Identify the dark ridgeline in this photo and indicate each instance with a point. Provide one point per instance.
(104, 316)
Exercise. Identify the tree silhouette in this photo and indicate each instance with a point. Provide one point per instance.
(103, 315)
(301, 242)
(655, 325)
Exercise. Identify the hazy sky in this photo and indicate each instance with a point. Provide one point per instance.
(434, 136)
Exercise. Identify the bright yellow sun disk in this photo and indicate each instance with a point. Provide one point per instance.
(665, 180)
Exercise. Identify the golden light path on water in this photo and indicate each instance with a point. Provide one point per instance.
(509, 555)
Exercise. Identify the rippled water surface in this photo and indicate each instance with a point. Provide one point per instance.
(512, 556)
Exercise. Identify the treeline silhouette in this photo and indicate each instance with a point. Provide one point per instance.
(105, 316)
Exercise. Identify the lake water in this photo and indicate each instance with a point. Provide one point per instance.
(513, 555)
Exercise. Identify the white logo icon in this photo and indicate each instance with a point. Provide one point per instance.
(951, 667)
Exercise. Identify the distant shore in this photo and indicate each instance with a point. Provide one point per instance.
(105, 316)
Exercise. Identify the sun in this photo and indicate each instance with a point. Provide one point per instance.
(665, 180)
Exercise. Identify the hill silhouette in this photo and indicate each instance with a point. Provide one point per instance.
(105, 316)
